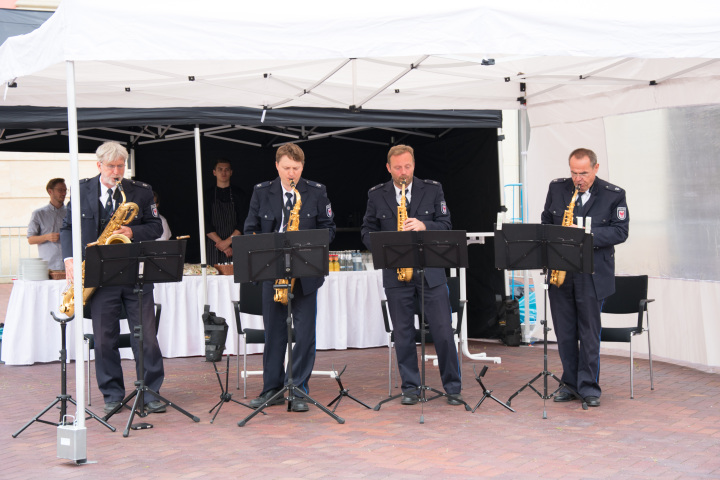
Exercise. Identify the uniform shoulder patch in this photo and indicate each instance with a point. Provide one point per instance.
(313, 184)
(140, 184)
(263, 184)
(559, 180)
(85, 180)
(431, 182)
(613, 188)
(375, 187)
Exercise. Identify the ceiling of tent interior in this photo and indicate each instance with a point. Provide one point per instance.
(235, 125)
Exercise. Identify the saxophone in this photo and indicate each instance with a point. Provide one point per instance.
(404, 274)
(124, 214)
(557, 277)
(281, 294)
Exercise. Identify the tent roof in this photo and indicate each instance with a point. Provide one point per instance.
(559, 59)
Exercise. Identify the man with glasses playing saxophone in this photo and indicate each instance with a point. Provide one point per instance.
(576, 303)
(98, 198)
(388, 210)
(274, 208)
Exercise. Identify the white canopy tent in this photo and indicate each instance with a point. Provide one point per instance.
(562, 63)
(389, 55)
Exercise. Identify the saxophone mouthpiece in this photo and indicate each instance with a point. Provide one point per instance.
(292, 184)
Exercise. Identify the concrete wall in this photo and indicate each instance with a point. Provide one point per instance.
(23, 177)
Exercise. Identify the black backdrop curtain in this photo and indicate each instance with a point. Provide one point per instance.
(463, 160)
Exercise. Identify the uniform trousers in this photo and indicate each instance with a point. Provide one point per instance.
(438, 316)
(575, 312)
(106, 304)
(304, 313)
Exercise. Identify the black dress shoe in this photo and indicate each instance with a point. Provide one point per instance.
(410, 398)
(263, 399)
(156, 406)
(299, 405)
(110, 406)
(455, 399)
(592, 401)
(563, 397)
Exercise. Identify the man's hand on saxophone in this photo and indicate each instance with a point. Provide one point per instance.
(125, 230)
(413, 224)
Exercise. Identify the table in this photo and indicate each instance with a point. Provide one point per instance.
(349, 316)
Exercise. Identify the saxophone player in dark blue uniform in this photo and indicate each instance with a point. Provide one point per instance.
(97, 199)
(576, 304)
(271, 206)
(427, 210)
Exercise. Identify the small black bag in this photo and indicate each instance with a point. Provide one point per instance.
(509, 321)
(216, 329)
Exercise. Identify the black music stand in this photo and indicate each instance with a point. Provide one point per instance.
(137, 264)
(548, 247)
(418, 250)
(288, 255)
(63, 398)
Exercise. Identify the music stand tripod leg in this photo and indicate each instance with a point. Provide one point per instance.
(63, 398)
(291, 388)
(140, 388)
(545, 373)
(486, 393)
(225, 395)
(344, 392)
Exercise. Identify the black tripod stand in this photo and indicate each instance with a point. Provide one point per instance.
(486, 393)
(344, 392)
(531, 246)
(225, 395)
(417, 250)
(216, 329)
(135, 264)
(63, 398)
(296, 254)
(140, 388)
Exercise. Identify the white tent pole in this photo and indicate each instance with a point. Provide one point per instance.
(523, 129)
(201, 212)
(501, 216)
(76, 244)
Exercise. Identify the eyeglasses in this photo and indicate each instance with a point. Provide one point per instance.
(580, 174)
(109, 166)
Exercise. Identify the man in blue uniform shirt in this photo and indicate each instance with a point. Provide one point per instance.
(427, 210)
(99, 197)
(577, 303)
(270, 208)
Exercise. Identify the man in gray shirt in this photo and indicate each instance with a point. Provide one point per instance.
(45, 223)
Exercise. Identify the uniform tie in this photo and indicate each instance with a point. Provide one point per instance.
(109, 204)
(289, 202)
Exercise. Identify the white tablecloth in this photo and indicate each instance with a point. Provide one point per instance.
(349, 315)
